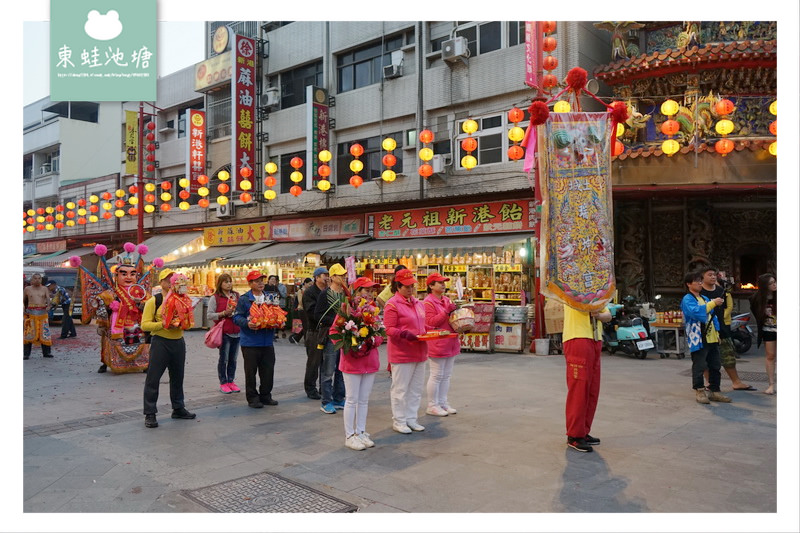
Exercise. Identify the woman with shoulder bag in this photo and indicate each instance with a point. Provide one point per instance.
(221, 307)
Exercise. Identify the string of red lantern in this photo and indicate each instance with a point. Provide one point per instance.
(389, 160)
(356, 165)
(324, 170)
(270, 168)
(515, 134)
(469, 144)
(246, 185)
(222, 187)
(203, 191)
(296, 176)
(550, 62)
(425, 153)
(773, 128)
(724, 126)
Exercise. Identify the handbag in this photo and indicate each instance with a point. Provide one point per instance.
(297, 326)
(214, 335)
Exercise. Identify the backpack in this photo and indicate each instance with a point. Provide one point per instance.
(159, 300)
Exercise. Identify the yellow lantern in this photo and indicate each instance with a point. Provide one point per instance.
(669, 108)
(93, 218)
(272, 168)
(40, 219)
(270, 194)
(71, 205)
(31, 212)
(94, 199)
(670, 146)
(296, 176)
(773, 148)
(59, 216)
(203, 191)
(106, 205)
(323, 185)
(222, 200)
(149, 208)
(773, 107)
(150, 187)
(620, 129)
(71, 223)
(165, 197)
(469, 162)
(133, 200)
(119, 213)
(562, 106)
(48, 227)
(183, 206)
(324, 156)
(356, 166)
(389, 144)
(388, 175)
(246, 185)
(516, 134)
(224, 175)
(469, 126)
(724, 126)
(119, 193)
(49, 210)
(82, 212)
(183, 182)
(426, 154)
(30, 229)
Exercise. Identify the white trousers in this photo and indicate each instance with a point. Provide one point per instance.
(357, 390)
(408, 380)
(441, 368)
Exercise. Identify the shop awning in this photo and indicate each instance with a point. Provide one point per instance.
(284, 251)
(213, 253)
(439, 245)
(163, 245)
(352, 241)
(57, 259)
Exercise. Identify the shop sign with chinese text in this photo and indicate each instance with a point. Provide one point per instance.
(236, 234)
(468, 219)
(195, 147)
(312, 229)
(243, 97)
(51, 247)
(317, 136)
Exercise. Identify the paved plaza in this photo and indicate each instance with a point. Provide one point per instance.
(86, 450)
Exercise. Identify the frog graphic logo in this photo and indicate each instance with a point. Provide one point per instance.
(102, 27)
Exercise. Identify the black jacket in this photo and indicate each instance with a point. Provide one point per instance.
(310, 296)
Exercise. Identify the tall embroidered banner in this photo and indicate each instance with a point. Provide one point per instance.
(577, 232)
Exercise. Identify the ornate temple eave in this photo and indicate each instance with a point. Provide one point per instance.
(753, 145)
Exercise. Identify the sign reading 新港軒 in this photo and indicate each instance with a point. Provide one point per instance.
(195, 148)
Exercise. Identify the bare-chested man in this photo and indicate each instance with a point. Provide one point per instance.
(36, 330)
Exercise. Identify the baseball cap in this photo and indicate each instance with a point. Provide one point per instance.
(363, 282)
(338, 270)
(434, 277)
(254, 275)
(165, 273)
(51, 282)
(320, 271)
(405, 277)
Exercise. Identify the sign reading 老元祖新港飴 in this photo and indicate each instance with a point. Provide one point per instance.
(102, 51)
(243, 108)
(468, 219)
(300, 229)
(236, 234)
(195, 148)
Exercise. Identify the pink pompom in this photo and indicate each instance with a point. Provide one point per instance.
(100, 250)
(539, 112)
(75, 261)
(129, 247)
(142, 249)
(576, 79)
(158, 262)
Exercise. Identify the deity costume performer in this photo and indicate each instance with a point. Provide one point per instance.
(115, 299)
(36, 330)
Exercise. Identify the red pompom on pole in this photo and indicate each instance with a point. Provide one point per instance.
(576, 79)
(539, 112)
(619, 112)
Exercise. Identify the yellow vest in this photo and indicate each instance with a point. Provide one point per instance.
(577, 325)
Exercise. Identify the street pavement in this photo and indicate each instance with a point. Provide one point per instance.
(86, 450)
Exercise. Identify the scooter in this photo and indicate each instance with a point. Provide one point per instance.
(626, 332)
(741, 332)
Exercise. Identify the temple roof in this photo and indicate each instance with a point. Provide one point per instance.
(739, 145)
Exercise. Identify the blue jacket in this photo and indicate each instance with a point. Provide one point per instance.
(695, 317)
(247, 336)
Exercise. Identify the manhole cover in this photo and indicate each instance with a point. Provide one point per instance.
(266, 493)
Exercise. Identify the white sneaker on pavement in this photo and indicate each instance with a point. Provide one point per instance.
(415, 427)
(450, 410)
(435, 410)
(400, 427)
(354, 443)
(366, 440)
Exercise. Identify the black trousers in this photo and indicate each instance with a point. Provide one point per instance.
(67, 324)
(261, 360)
(165, 354)
(28, 348)
(313, 362)
(706, 358)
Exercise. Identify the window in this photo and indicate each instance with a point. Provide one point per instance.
(182, 118)
(219, 114)
(482, 38)
(364, 66)
(372, 158)
(492, 137)
(294, 83)
(516, 33)
(286, 171)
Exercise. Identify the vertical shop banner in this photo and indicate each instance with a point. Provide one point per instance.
(317, 134)
(577, 231)
(102, 51)
(243, 100)
(131, 142)
(195, 148)
(531, 53)
(469, 219)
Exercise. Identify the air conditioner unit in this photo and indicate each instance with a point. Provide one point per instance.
(270, 98)
(392, 71)
(225, 211)
(45, 168)
(440, 161)
(455, 49)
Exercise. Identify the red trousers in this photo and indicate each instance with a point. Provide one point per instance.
(583, 384)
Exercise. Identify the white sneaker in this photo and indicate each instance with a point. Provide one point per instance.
(450, 410)
(366, 440)
(435, 410)
(400, 427)
(415, 427)
(354, 443)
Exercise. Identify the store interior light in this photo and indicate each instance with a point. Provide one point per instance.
(203, 247)
(183, 249)
(175, 252)
(419, 256)
(218, 270)
(522, 252)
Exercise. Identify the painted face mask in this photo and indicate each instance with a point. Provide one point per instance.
(179, 283)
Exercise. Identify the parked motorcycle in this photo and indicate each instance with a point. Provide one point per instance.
(627, 331)
(741, 332)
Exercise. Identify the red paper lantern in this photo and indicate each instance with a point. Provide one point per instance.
(150, 137)
(59, 225)
(82, 202)
(151, 147)
(296, 163)
(223, 188)
(40, 227)
(106, 195)
(515, 115)
(324, 171)
(203, 202)
(107, 215)
(30, 220)
(270, 181)
(549, 44)
(133, 211)
(59, 208)
(356, 150)
(425, 170)
(166, 185)
(150, 198)
(295, 190)
(469, 144)
(94, 208)
(618, 148)
(151, 125)
(549, 26)
(70, 214)
(49, 218)
(40, 211)
(150, 158)
(202, 179)
(184, 194)
(133, 189)
(120, 203)
(549, 81)
(550, 63)
(723, 146)
(515, 152)
(389, 160)
(166, 207)
(426, 136)
(670, 127)
(82, 220)
(773, 127)
(246, 172)
(724, 107)
(245, 197)
(356, 181)
(150, 168)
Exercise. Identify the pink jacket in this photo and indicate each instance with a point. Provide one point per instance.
(437, 316)
(369, 364)
(400, 315)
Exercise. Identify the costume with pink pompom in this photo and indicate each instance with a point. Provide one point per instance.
(115, 298)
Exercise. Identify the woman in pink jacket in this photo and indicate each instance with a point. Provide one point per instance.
(441, 352)
(359, 375)
(404, 319)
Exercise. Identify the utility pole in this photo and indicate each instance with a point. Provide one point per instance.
(140, 178)
(537, 196)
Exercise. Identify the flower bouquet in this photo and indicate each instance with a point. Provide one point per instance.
(357, 329)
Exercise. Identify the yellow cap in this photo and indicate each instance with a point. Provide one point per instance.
(164, 273)
(337, 270)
